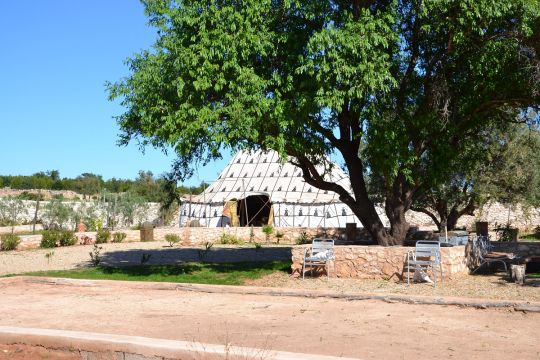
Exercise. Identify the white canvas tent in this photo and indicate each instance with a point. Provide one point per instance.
(257, 188)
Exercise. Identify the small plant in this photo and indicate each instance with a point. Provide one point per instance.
(230, 239)
(49, 256)
(251, 234)
(66, 238)
(102, 236)
(279, 236)
(49, 239)
(267, 230)
(258, 246)
(86, 240)
(145, 258)
(303, 238)
(95, 257)
(9, 242)
(172, 239)
(96, 224)
(204, 252)
(118, 237)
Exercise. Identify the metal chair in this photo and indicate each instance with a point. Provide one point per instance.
(483, 251)
(425, 254)
(320, 253)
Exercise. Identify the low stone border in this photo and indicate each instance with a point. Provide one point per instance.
(254, 290)
(91, 345)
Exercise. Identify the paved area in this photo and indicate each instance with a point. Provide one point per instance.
(360, 329)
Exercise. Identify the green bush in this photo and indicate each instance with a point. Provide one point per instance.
(49, 239)
(9, 242)
(54, 238)
(67, 238)
(230, 239)
(118, 237)
(303, 238)
(172, 239)
(102, 236)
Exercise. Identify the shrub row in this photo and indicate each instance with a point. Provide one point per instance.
(55, 238)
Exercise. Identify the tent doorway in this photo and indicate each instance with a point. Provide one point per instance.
(255, 210)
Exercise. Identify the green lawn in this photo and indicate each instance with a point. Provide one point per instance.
(530, 237)
(201, 273)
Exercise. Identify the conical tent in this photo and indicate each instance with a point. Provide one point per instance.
(258, 188)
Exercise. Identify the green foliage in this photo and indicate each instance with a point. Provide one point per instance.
(54, 238)
(503, 167)
(12, 211)
(145, 185)
(218, 274)
(258, 246)
(67, 238)
(267, 230)
(303, 238)
(95, 255)
(9, 242)
(397, 89)
(230, 239)
(118, 237)
(57, 214)
(103, 236)
(172, 239)
(49, 239)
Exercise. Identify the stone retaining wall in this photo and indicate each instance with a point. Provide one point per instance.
(201, 235)
(378, 262)
(521, 248)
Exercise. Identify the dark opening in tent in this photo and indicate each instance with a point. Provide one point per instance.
(254, 210)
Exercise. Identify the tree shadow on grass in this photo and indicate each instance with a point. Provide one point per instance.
(177, 256)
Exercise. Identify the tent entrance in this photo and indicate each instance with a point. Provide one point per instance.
(255, 210)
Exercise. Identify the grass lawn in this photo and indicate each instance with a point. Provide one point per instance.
(201, 273)
(530, 237)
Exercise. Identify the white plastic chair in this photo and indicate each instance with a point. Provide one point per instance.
(425, 254)
(320, 253)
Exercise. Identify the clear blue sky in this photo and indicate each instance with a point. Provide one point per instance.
(54, 114)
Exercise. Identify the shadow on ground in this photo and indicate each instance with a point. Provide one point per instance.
(171, 256)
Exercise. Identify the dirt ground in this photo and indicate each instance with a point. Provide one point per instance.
(25, 352)
(363, 329)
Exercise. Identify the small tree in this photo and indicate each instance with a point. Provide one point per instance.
(58, 214)
(267, 230)
(12, 211)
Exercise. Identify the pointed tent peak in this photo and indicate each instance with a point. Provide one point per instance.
(259, 172)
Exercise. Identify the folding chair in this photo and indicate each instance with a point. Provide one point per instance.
(425, 254)
(320, 253)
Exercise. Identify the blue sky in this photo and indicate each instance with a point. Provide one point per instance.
(54, 114)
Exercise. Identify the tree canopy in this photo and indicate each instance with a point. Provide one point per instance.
(399, 89)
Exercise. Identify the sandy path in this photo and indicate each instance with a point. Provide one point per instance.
(364, 329)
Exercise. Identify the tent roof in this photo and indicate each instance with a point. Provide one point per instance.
(264, 173)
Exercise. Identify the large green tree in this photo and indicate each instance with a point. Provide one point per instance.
(504, 167)
(396, 88)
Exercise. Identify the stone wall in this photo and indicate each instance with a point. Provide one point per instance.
(378, 262)
(152, 214)
(200, 235)
(521, 249)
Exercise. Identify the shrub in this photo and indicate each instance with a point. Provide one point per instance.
(9, 242)
(66, 238)
(303, 238)
(54, 238)
(95, 257)
(172, 239)
(49, 239)
(230, 239)
(267, 230)
(102, 236)
(118, 237)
